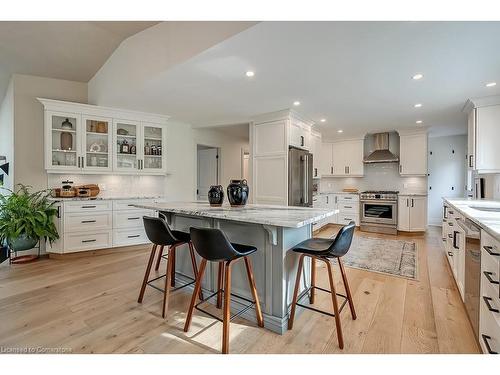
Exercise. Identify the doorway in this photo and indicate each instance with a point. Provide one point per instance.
(207, 170)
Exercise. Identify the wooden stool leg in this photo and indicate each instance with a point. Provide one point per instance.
(347, 289)
(251, 281)
(168, 275)
(171, 254)
(335, 305)
(146, 274)
(220, 280)
(227, 308)
(160, 254)
(197, 288)
(313, 280)
(195, 267)
(296, 291)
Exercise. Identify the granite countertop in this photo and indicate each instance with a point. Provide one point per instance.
(412, 194)
(337, 192)
(280, 216)
(489, 221)
(103, 198)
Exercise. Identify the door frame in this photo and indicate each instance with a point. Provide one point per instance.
(218, 172)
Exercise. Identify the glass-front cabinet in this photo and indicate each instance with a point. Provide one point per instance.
(97, 143)
(62, 136)
(127, 139)
(153, 147)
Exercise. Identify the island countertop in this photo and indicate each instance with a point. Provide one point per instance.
(280, 216)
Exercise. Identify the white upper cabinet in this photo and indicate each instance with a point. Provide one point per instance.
(316, 151)
(483, 132)
(82, 138)
(342, 159)
(413, 154)
(300, 134)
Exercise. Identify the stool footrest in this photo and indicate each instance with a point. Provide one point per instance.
(305, 292)
(243, 310)
(149, 283)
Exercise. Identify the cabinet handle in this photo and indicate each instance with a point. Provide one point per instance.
(488, 305)
(407, 202)
(449, 235)
(327, 199)
(412, 203)
(455, 233)
(347, 206)
(331, 170)
(346, 219)
(88, 221)
(88, 206)
(133, 236)
(85, 241)
(489, 251)
(347, 197)
(315, 172)
(470, 161)
(400, 168)
(133, 218)
(336, 199)
(450, 254)
(444, 212)
(302, 140)
(490, 279)
(487, 344)
(450, 224)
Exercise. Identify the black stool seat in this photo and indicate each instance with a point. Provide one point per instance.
(181, 237)
(314, 246)
(243, 250)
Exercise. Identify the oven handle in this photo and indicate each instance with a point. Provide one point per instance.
(379, 201)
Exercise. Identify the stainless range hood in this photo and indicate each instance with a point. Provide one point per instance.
(381, 153)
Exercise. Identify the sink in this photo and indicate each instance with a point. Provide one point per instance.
(487, 209)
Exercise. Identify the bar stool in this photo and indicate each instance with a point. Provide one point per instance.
(161, 235)
(324, 249)
(212, 245)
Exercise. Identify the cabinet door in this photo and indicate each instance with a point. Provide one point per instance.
(316, 151)
(418, 213)
(460, 259)
(471, 139)
(326, 164)
(403, 213)
(153, 148)
(97, 143)
(487, 136)
(299, 135)
(413, 155)
(339, 158)
(354, 158)
(63, 135)
(332, 204)
(126, 133)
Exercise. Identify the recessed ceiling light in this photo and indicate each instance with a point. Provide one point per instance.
(491, 84)
(323, 120)
(296, 103)
(340, 131)
(419, 121)
(418, 105)
(418, 76)
(249, 73)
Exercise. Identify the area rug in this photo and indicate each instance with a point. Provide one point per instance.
(393, 257)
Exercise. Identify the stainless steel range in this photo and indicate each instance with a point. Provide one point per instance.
(379, 211)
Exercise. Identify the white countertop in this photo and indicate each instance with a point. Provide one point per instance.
(280, 216)
(101, 198)
(489, 221)
(337, 192)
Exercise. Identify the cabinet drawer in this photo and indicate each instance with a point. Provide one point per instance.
(489, 329)
(128, 204)
(130, 219)
(74, 242)
(349, 208)
(347, 198)
(125, 237)
(345, 219)
(78, 222)
(88, 206)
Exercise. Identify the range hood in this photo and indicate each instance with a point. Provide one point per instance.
(381, 153)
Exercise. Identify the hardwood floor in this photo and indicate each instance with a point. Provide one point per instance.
(89, 305)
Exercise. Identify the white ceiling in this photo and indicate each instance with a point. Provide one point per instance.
(357, 75)
(64, 50)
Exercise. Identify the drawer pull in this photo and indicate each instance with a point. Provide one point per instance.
(134, 236)
(487, 302)
(133, 218)
(450, 224)
(130, 205)
(347, 206)
(450, 235)
(490, 279)
(347, 198)
(86, 241)
(347, 219)
(88, 221)
(450, 254)
(89, 206)
(487, 344)
(489, 251)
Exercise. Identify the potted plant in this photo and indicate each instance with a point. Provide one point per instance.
(26, 217)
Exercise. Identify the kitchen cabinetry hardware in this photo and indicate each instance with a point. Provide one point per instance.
(489, 250)
(88, 221)
(133, 236)
(450, 253)
(471, 165)
(86, 241)
(88, 206)
(487, 344)
(133, 218)
(488, 305)
(412, 203)
(455, 235)
(489, 278)
(302, 140)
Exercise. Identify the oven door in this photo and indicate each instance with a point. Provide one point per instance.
(379, 212)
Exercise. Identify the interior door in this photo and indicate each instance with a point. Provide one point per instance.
(207, 171)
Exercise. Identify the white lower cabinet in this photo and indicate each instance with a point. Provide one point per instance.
(412, 213)
(347, 204)
(100, 224)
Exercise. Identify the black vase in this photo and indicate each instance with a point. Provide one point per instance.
(216, 195)
(237, 192)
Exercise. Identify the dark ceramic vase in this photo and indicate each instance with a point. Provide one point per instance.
(237, 192)
(216, 195)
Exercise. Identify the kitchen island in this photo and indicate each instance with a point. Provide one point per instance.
(274, 230)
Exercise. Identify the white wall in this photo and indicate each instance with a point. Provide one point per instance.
(447, 172)
(7, 134)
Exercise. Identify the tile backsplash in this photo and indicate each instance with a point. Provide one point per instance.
(115, 185)
(383, 176)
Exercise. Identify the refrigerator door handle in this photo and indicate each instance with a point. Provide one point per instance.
(306, 180)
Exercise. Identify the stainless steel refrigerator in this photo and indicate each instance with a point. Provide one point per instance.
(300, 176)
